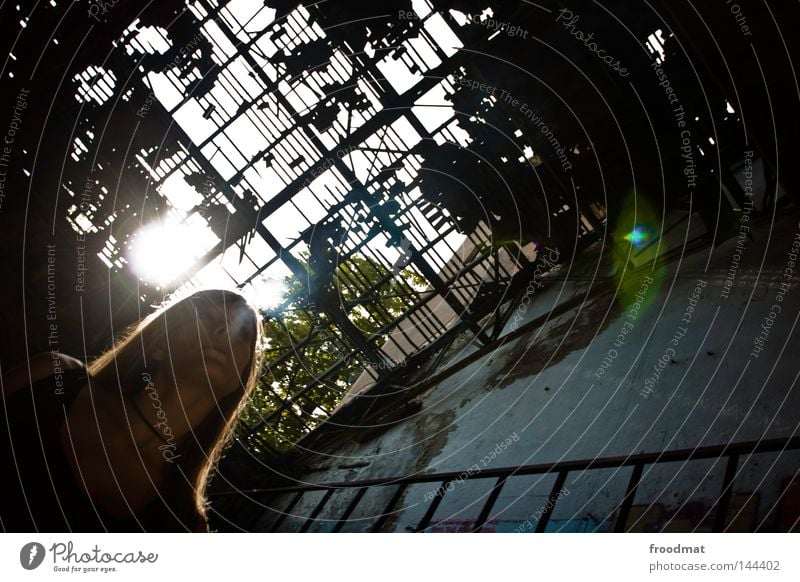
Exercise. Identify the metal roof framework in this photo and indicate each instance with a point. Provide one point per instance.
(310, 160)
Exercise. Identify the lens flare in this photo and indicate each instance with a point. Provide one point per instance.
(639, 237)
(636, 246)
(163, 251)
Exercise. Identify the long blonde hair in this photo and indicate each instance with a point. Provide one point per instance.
(123, 366)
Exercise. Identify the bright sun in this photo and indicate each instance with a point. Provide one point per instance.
(265, 292)
(163, 251)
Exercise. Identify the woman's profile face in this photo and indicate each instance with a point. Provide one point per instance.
(215, 342)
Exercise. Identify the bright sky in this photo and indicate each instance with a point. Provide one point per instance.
(257, 129)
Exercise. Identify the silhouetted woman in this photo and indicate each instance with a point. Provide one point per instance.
(128, 443)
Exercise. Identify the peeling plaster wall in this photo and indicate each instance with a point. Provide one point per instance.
(544, 390)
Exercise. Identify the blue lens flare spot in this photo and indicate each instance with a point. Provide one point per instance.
(639, 236)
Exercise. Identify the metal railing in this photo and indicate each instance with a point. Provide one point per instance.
(251, 506)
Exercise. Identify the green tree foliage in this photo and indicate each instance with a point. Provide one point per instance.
(303, 378)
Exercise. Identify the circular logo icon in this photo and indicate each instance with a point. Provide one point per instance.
(31, 555)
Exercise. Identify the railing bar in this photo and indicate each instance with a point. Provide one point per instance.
(716, 451)
(627, 501)
(551, 501)
(316, 511)
(389, 507)
(253, 521)
(725, 494)
(437, 499)
(287, 511)
(490, 501)
(350, 508)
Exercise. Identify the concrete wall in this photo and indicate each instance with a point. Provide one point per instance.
(577, 388)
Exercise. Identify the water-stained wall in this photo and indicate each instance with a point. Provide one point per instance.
(693, 353)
